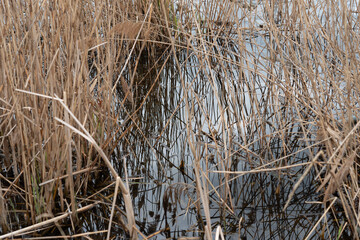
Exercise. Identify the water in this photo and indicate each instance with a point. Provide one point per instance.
(233, 126)
(165, 197)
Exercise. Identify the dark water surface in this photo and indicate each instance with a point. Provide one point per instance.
(158, 155)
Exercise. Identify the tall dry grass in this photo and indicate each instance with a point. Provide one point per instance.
(261, 83)
(58, 62)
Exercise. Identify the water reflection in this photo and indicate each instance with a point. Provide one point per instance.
(157, 154)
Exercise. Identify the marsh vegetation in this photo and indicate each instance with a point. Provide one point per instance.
(179, 119)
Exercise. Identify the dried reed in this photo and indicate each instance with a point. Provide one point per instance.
(255, 87)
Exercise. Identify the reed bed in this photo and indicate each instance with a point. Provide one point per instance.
(113, 112)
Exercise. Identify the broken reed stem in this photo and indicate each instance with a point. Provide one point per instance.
(203, 192)
(41, 224)
(322, 216)
(70, 179)
(124, 188)
(113, 207)
(87, 136)
(219, 233)
(66, 176)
